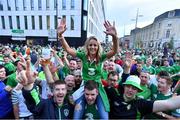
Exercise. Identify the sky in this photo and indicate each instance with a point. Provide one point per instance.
(123, 12)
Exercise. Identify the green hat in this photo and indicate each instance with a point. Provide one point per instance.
(134, 81)
(171, 70)
(158, 70)
(176, 68)
(152, 71)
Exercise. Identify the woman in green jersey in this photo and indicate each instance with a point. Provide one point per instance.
(92, 57)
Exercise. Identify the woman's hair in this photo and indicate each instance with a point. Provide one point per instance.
(99, 47)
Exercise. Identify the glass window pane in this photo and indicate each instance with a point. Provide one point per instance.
(3, 22)
(63, 4)
(33, 23)
(10, 22)
(39, 4)
(18, 22)
(9, 4)
(72, 22)
(72, 4)
(1, 6)
(32, 4)
(25, 22)
(40, 22)
(48, 22)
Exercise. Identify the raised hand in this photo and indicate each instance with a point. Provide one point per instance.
(110, 29)
(61, 27)
(27, 77)
(31, 75)
(52, 68)
(22, 79)
(128, 63)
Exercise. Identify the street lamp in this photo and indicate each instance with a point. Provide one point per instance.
(136, 21)
(137, 16)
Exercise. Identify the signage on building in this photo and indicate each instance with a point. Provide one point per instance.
(18, 34)
(18, 31)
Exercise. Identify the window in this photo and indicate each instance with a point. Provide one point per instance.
(17, 4)
(167, 33)
(47, 4)
(72, 4)
(39, 4)
(157, 35)
(18, 22)
(10, 22)
(55, 22)
(63, 4)
(90, 9)
(85, 5)
(40, 22)
(159, 25)
(55, 4)
(25, 4)
(48, 22)
(32, 4)
(84, 23)
(33, 22)
(171, 13)
(3, 22)
(169, 25)
(72, 22)
(149, 36)
(1, 6)
(25, 22)
(8, 4)
(153, 35)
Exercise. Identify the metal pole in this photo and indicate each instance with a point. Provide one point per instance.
(137, 18)
(57, 23)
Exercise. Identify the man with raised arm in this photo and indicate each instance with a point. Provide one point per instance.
(56, 107)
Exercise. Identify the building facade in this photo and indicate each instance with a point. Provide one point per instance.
(164, 29)
(35, 21)
(126, 41)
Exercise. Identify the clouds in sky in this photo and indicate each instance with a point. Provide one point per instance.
(123, 11)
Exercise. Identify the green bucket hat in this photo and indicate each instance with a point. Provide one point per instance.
(134, 81)
(151, 70)
(171, 70)
(177, 68)
(158, 70)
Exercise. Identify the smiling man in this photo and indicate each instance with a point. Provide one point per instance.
(56, 107)
(91, 94)
(127, 106)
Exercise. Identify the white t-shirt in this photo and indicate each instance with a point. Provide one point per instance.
(17, 98)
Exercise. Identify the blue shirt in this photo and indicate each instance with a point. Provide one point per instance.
(5, 101)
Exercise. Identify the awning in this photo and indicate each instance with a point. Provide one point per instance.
(52, 39)
(19, 38)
